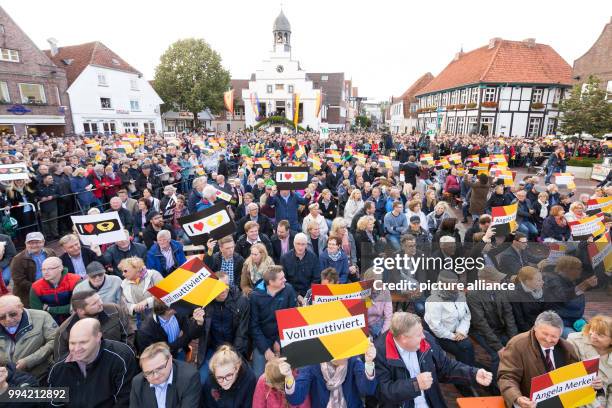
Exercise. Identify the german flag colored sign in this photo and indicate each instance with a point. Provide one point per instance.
(600, 253)
(597, 205)
(504, 219)
(192, 282)
(98, 229)
(211, 223)
(586, 227)
(320, 333)
(291, 178)
(566, 387)
(427, 158)
(329, 293)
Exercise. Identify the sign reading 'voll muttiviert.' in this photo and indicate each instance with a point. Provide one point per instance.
(291, 178)
(211, 223)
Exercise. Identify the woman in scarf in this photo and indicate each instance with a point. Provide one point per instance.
(554, 227)
(335, 257)
(335, 384)
(111, 182)
(314, 215)
(137, 280)
(232, 382)
(254, 268)
(540, 210)
(339, 229)
(270, 389)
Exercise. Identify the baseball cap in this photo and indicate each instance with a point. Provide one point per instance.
(415, 218)
(95, 268)
(35, 236)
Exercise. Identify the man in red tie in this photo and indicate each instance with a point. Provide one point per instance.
(530, 354)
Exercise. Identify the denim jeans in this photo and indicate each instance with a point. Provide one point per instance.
(491, 352)
(528, 228)
(6, 274)
(462, 350)
(204, 371)
(259, 363)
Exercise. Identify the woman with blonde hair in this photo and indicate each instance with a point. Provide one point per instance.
(270, 389)
(429, 201)
(314, 215)
(381, 310)
(353, 205)
(137, 280)
(595, 341)
(576, 212)
(254, 267)
(231, 383)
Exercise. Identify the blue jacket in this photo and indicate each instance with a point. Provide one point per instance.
(77, 185)
(301, 273)
(395, 386)
(341, 265)
(192, 202)
(310, 381)
(156, 260)
(287, 210)
(264, 330)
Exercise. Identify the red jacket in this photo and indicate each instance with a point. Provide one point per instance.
(98, 184)
(451, 183)
(268, 397)
(111, 186)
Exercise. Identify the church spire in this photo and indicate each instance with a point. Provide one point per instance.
(282, 32)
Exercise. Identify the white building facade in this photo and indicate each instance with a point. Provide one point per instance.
(272, 90)
(107, 95)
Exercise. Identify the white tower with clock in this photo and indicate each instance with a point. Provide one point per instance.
(273, 86)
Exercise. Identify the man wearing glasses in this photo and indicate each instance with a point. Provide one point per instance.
(26, 336)
(164, 381)
(98, 372)
(53, 291)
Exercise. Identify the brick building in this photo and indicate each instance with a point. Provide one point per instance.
(597, 61)
(33, 95)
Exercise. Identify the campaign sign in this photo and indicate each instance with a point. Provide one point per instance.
(291, 178)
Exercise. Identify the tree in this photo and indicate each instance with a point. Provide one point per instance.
(363, 122)
(190, 77)
(586, 110)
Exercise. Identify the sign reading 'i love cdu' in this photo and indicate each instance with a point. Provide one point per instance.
(211, 223)
(291, 178)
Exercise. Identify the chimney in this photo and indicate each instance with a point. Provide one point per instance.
(530, 42)
(492, 42)
(53, 44)
(458, 55)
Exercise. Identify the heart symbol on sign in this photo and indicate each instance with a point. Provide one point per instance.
(199, 226)
(288, 176)
(89, 228)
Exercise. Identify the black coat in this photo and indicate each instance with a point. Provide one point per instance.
(46, 191)
(214, 263)
(108, 381)
(127, 218)
(88, 257)
(239, 306)
(411, 172)
(149, 236)
(330, 211)
(184, 391)
(17, 379)
(277, 247)
(525, 308)
(243, 247)
(223, 168)
(265, 225)
(151, 331)
(240, 394)
(395, 386)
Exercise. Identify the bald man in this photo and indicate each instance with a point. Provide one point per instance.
(26, 336)
(53, 291)
(98, 372)
(126, 217)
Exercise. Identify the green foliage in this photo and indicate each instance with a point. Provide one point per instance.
(586, 110)
(277, 120)
(363, 122)
(190, 77)
(584, 161)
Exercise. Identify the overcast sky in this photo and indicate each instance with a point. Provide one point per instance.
(383, 45)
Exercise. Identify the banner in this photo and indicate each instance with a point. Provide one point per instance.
(499, 159)
(504, 219)
(228, 100)
(334, 155)
(17, 171)
(223, 194)
(213, 222)
(98, 229)
(255, 104)
(454, 158)
(427, 158)
(600, 253)
(507, 176)
(329, 293)
(597, 205)
(587, 227)
(262, 162)
(325, 332)
(296, 110)
(566, 387)
(479, 168)
(323, 131)
(315, 162)
(481, 402)
(442, 164)
(565, 179)
(169, 210)
(472, 158)
(191, 282)
(317, 102)
(291, 178)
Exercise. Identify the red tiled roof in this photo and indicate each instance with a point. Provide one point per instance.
(82, 55)
(519, 62)
(415, 87)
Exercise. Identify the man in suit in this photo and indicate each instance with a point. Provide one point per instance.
(531, 354)
(226, 260)
(282, 241)
(126, 217)
(514, 258)
(126, 202)
(76, 258)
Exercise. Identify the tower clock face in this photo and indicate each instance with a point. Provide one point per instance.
(280, 69)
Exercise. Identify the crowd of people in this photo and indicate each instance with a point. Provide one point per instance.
(82, 317)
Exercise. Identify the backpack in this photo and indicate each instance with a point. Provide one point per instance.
(8, 224)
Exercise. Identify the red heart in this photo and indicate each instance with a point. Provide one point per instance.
(89, 228)
(3, 171)
(288, 176)
(199, 226)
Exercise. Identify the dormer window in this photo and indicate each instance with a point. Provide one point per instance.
(115, 61)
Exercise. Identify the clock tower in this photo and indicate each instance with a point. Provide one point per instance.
(282, 33)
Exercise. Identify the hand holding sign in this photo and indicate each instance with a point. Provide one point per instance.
(524, 402)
